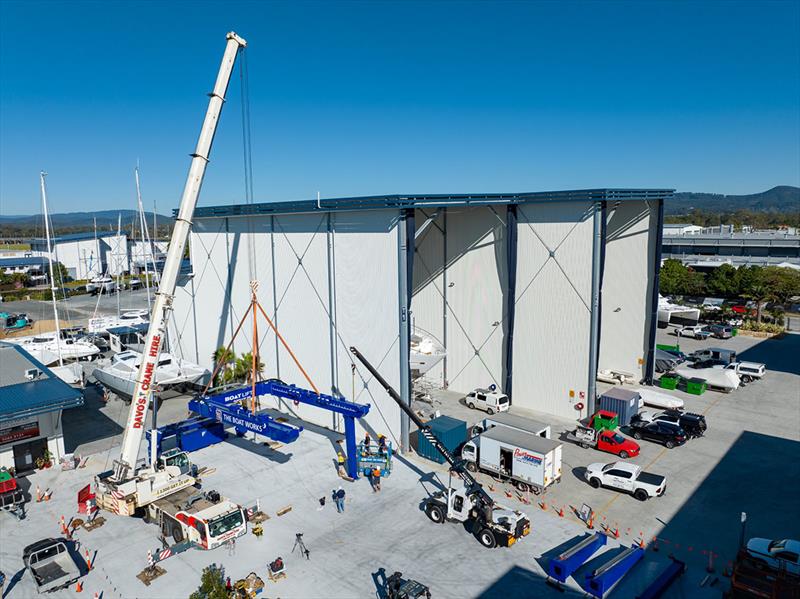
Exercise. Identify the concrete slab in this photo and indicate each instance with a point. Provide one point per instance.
(746, 462)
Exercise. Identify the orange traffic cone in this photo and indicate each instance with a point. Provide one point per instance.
(38, 494)
(78, 586)
(63, 525)
(88, 560)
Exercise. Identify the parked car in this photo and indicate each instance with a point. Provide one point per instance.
(715, 353)
(488, 400)
(778, 555)
(670, 435)
(626, 477)
(721, 331)
(747, 371)
(693, 424)
(697, 331)
(710, 363)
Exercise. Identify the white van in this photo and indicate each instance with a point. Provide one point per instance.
(488, 400)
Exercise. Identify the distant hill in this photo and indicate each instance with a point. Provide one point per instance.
(783, 198)
(76, 222)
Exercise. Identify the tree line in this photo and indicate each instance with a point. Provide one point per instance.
(738, 218)
(758, 283)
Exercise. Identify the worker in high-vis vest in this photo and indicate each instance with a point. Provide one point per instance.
(341, 464)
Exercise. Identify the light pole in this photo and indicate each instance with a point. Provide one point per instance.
(741, 534)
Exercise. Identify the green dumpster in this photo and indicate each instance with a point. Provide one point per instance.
(696, 386)
(669, 382)
(734, 332)
(604, 420)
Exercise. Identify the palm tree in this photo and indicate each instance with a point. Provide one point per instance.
(759, 293)
(226, 358)
(244, 366)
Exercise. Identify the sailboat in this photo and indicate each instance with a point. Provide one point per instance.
(45, 348)
(426, 352)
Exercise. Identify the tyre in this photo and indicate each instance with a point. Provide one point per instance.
(669, 444)
(522, 486)
(641, 495)
(489, 411)
(435, 513)
(624, 455)
(595, 482)
(746, 378)
(472, 466)
(585, 445)
(637, 435)
(471, 405)
(486, 538)
(177, 533)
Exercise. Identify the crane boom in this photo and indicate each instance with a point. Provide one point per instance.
(145, 378)
(472, 485)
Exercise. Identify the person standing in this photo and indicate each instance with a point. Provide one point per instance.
(341, 460)
(340, 499)
(376, 479)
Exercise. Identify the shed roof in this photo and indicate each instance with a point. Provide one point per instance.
(20, 396)
(23, 261)
(430, 201)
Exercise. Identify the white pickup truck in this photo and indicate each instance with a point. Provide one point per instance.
(626, 477)
(747, 371)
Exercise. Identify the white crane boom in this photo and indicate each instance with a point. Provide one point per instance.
(145, 378)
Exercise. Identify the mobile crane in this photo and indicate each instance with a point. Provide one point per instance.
(126, 489)
(492, 523)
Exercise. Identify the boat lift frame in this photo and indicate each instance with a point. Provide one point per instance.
(227, 408)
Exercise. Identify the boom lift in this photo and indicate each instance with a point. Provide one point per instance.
(127, 489)
(492, 523)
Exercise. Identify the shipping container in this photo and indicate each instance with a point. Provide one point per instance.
(622, 401)
(513, 420)
(450, 431)
(529, 461)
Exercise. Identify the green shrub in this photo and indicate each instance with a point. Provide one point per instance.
(761, 327)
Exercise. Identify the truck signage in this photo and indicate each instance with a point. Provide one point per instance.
(524, 456)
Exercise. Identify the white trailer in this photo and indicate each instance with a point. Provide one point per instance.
(531, 462)
(512, 420)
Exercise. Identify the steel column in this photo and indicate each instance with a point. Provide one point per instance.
(350, 442)
(404, 324)
(594, 326)
(511, 293)
(650, 362)
(332, 321)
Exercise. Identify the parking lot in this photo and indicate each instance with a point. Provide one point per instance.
(749, 461)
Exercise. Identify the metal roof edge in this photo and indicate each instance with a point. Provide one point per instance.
(399, 201)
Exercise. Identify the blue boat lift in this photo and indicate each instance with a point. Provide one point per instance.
(226, 407)
(562, 567)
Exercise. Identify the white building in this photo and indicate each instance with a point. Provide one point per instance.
(31, 401)
(88, 255)
(532, 292)
(682, 229)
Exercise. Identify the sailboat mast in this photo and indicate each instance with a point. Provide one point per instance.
(42, 175)
(118, 265)
(144, 242)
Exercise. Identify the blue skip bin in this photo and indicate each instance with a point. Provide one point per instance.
(600, 581)
(560, 568)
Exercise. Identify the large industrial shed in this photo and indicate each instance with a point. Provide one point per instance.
(532, 292)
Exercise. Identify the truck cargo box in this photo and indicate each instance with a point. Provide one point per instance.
(520, 456)
(513, 420)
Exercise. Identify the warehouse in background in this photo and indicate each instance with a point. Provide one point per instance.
(532, 292)
(31, 401)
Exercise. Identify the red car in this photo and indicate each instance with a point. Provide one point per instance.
(605, 440)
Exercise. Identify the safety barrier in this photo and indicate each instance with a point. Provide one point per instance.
(657, 588)
(599, 581)
(563, 566)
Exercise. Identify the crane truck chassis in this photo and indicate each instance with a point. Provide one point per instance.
(492, 523)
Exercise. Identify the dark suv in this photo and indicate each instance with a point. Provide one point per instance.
(671, 435)
(694, 425)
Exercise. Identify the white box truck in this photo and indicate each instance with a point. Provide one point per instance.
(512, 420)
(529, 461)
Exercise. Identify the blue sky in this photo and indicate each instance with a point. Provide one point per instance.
(358, 98)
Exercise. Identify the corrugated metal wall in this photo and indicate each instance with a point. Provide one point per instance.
(359, 252)
(627, 281)
(554, 274)
(459, 285)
